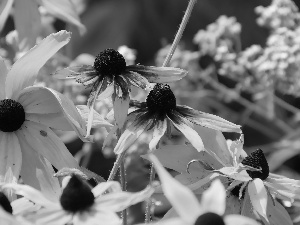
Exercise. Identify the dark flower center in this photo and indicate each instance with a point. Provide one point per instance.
(12, 115)
(4, 202)
(161, 99)
(109, 63)
(76, 196)
(257, 160)
(210, 219)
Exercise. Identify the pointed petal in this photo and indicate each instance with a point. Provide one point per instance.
(27, 22)
(185, 127)
(74, 71)
(259, 197)
(10, 159)
(24, 72)
(45, 142)
(93, 217)
(3, 73)
(208, 120)
(118, 201)
(136, 79)
(109, 186)
(5, 9)
(277, 214)
(214, 199)
(121, 105)
(159, 130)
(98, 120)
(240, 220)
(106, 93)
(53, 216)
(64, 10)
(158, 74)
(181, 198)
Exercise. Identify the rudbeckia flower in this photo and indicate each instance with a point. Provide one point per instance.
(159, 110)
(27, 18)
(82, 205)
(109, 76)
(28, 145)
(191, 212)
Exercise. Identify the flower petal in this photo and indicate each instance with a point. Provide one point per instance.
(181, 198)
(53, 216)
(109, 186)
(45, 142)
(277, 214)
(24, 72)
(3, 73)
(240, 220)
(185, 127)
(214, 199)
(64, 10)
(121, 105)
(10, 159)
(5, 9)
(136, 79)
(93, 217)
(159, 130)
(208, 120)
(27, 20)
(74, 71)
(158, 74)
(259, 197)
(118, 201)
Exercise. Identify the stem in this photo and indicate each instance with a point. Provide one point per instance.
(180, 32)
(123, 185)
(149, 201)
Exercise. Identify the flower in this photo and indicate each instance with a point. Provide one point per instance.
(188, 210)
(28, 146)
(80, 204)
(27, 18)
(109, 76)
(159, 110)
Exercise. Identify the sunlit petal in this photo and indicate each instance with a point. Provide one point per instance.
(259, 197)
(93, 217)
(181, 198)
(111, 186)
(27, 20)
(208, 120)
(239, 220)
(53, 216)
(185, 127)
(214, 199)
(159, 130)
(24, 72)
(64, 10)
(10, 159)
(3, 73)
(5, 9)
(158, 74)
(24, 205)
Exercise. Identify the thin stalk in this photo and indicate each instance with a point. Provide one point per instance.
(123, 185)
(149, 201)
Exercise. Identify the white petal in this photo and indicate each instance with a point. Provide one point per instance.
(181, 198)
(7, 218)
(64, 10)
(3, 73)
(214, 199)
(10, 159)
(27, 20)
(53, 216)
(239, 220)
(259, 197)
(93, 218)
(5, 8)
(185, 128)
(45, 142)
(159, 130)
(23, 205)
(112, 186)
(119, 201)
(24, 72)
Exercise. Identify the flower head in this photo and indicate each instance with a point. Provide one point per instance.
(80, 204)
(159, 110)
(109, 76)
(28, 145)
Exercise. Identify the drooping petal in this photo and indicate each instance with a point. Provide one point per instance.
(159, 130)
(118, 201)
(27, 20)
(181, 198)
(5, 9)
(53, 216)
(277, 214)
(93, 217)
(64, 10)
(240, 220)
(44, 141)
(56, 110)
(3, 73)
(158, 74)
(214, 199)
(208, 120)
(111, 186)
(136, 79)
(24, 72)
(185, 127)
(259, 197)
(10, 159)
(74, 71)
